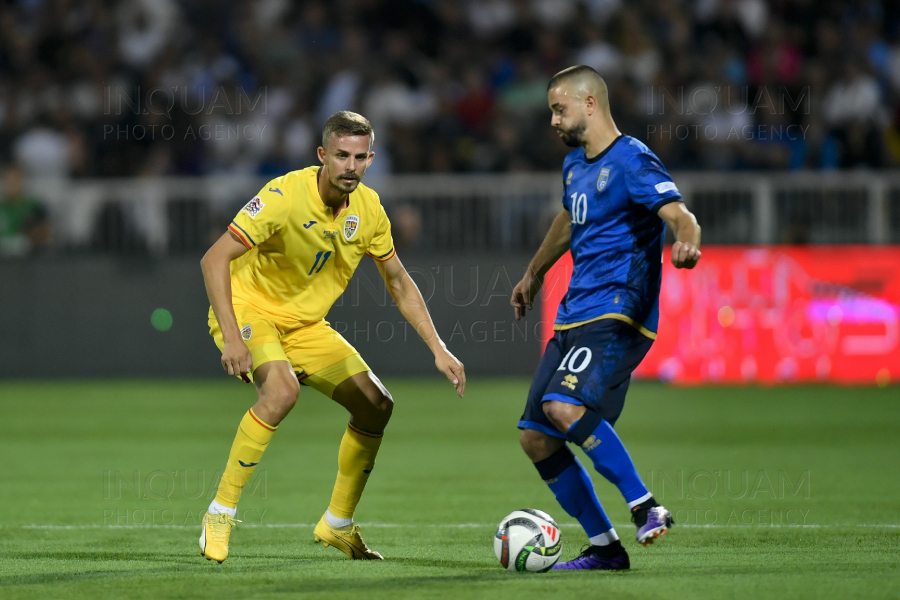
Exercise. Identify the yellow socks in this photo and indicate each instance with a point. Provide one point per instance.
(252, 437)
(355, 461)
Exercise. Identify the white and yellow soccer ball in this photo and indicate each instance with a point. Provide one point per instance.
(528, 540)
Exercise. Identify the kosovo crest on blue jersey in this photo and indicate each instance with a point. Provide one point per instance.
(350, 226)
(603, 179)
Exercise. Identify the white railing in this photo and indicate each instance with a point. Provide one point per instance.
(506, 211)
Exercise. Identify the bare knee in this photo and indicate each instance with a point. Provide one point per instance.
(537, 445)
(380, 399)
(562, 414)
(279, 397)
(369, 403)
(382, 408)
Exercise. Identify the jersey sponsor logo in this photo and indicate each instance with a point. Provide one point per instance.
(590, 443)
(253, 207)
(243, 464)
(569, 381)
(276, 190)
(351, 225)
(666, 186)
(602, 180)
(310, 224)
(246, 332)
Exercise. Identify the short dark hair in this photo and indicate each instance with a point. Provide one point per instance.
(347, 123)
(571, 72)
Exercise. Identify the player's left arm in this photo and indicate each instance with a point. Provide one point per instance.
(686, 250)
(410, 302)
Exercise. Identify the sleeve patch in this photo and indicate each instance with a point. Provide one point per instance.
(253, 207)
(666, 186)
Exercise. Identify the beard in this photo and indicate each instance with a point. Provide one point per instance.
(345, 184)
(574, 137)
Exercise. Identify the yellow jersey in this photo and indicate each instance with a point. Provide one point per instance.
(301, 257)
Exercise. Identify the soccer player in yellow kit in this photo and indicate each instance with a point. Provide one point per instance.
(271, 279)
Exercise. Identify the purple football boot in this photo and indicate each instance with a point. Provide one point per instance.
(599, 558)
(651, 521)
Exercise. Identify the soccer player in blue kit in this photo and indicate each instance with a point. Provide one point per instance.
(618, 199)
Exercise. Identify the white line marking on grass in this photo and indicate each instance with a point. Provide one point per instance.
(451, 526)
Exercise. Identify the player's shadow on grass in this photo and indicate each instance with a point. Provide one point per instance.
(479, 565)
(70, 577)
(333, 558)
(88, 556)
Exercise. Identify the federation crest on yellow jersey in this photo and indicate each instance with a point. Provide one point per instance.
(350, 226)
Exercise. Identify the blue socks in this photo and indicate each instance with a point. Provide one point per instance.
(601, 443)
(572, 486)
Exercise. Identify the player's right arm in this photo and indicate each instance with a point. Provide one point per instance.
(555, 244)
(216, 267)
(686, 249)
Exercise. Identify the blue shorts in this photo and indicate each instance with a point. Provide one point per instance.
(590, 365)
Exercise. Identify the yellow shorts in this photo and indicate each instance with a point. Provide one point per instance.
(319, 355)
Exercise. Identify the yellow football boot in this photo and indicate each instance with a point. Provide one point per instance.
(346, 539)
(215, 534)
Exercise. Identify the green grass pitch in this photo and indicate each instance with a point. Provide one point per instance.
(778, 493)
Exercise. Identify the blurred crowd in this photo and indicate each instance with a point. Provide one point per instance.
(100, 88)
(24, 223)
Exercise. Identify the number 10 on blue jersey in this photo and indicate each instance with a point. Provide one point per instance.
(579, 209)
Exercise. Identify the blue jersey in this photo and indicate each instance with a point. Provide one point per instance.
(617, 237)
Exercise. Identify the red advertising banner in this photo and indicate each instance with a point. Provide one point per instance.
(771, 314)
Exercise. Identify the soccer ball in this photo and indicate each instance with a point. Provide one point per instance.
(528, 540)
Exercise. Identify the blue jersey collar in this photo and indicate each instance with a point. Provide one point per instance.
(605, 152)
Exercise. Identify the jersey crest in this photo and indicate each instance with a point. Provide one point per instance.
(602, 180)
(253, 207)
(351, 225)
